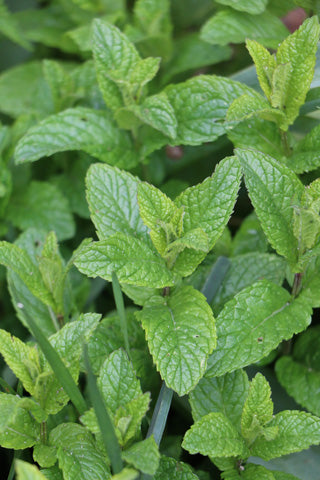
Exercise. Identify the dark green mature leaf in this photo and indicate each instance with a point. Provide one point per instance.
(306, 154)
(180, 332)
(200, 106)
(214, 435)
(225, 394)
(273, 189)
(296, 431)
(44, 207)
(171, 469)
(134, 262)
(112, 198)
(92, 131)
(77, 453)
(247, 269)
(253, 324)
(230, 26)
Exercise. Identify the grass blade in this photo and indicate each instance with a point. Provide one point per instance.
(104, 421)
(60, 370)
(118, 297)
(215, 278)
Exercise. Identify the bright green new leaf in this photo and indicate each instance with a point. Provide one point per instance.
(42, 206)
(265, 64)
(195, 239)
(273, 190)
(171, 469)
(92, 131)
(209, 204)
(143, 455)
(126, 474)
(77, 453)
(245, 270)
(257, 410)
(200, 105)
(296, 431)
(249, 105)
(144, 71)
(251, 6)
(22, 359)
(254, 323)
(214, 435)
(157, 112)
(180, 331)
(26, 471)
(18, 260)
(299, 51)
(112, 198)
(18, 428)
(225, 394)
(134, 262)
(229, 26)
(301, 382)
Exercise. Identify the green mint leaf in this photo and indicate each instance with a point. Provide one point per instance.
(305, 157)
(200, 106)
(249, 105)
(53, 473)
(22, 359)
(258, 408)
(273, 190)
(214, 435)
(126, 474)
(300, 381)
(209, 204)
(92, 131)
(18, 429)
(18, 260)
(311, 283)
(143, 455)
(44, 207)
(77, 453)
(9, 27)
(225, 394)
(152, 17)
(171, 469)
(141, 265)
(26, 471)
(195, 239)
(230, 26)
(253, 324)
(179, 342)
(265, 65)
(61, 84)
(23, 90)
(157, 112)
(299, 51)
(296, 431)
(258, 472)
(254, 7)
(112, 198)
(44, 455)
(245, 270)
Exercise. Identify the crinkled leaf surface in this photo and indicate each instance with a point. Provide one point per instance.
(143, 455)
(251, 6)
(171, 469)
(273, 190)
(296, 431)
(209, 204)
(134, 262)
(265, 64)
(180, 331)
(112, 198)
(200, 106)
(92, 131)
(306, 154)
(214, 435)
(42, 206)
(225, 394)
(77, 453)
(253, 324)
(231, 26)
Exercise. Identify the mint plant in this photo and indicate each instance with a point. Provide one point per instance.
(159, 215)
